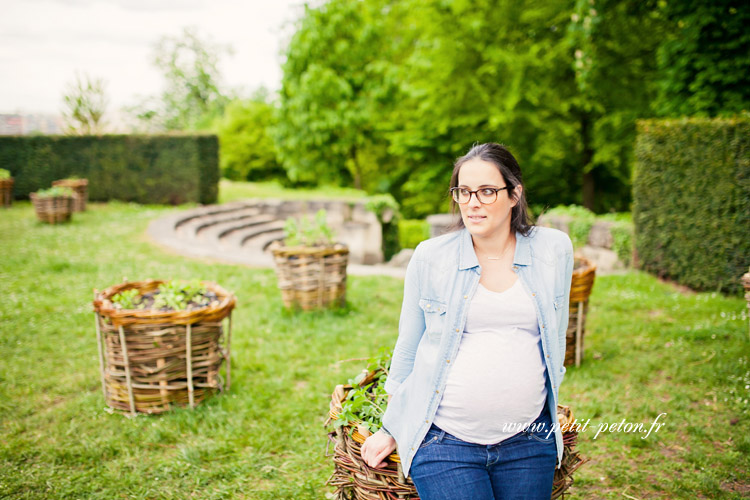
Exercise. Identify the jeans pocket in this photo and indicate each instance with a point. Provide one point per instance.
(429, 439)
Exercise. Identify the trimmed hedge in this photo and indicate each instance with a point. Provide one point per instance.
(159, 169)
(691, 201)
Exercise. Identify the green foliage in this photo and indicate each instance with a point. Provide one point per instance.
(4, 174)
(579, 226)
(691, 201)
(127, 299)
(622, 235)
(55, 191)
(335, 78)
(365, 404)
(85, 104)
(174, 295)
(412, 231)
(386, 209)
(704, 63)
(192, 98)
(247, 150)
(148, 169)
(308, 232)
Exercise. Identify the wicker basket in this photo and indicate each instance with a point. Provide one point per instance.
(145, 362)
(53, 209)
(355, 480)
(80, 187)
(746, 283)
(582, 282)
(311, 277)
(6, 192)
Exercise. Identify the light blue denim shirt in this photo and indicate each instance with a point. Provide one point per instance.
(441, 279)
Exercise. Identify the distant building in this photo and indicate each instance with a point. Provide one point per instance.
(27, 124)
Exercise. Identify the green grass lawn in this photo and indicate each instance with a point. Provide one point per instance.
(231, 191)
(649, 349)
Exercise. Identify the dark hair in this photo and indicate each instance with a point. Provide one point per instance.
(501, 157)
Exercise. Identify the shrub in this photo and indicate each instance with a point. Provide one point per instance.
(691, 200)
(412, 231)
(580, 225)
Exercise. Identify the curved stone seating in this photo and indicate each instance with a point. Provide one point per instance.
(241, 231)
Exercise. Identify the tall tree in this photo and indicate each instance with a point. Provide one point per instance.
(614, 43)
(85, 103)
(335, 79)
(247, 150)
(193, 96)
(705, 62)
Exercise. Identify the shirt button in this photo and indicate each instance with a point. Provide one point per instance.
(447, 360)
(548, 355)
(533, 295)
(428, 306)
(466, 296)
(437, 392)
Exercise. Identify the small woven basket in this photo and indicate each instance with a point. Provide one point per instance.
(53, 209)
(81, 189)
(582, 283)
(311, 277)
(6, 192)
(151, 360)
(355, 480)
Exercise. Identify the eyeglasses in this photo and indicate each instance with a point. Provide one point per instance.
(485, 195)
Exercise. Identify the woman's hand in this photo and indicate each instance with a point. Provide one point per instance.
(376, 448)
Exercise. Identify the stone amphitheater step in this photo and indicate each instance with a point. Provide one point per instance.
(220, 229)
(193, 224)
(242, 236)
(238, 232)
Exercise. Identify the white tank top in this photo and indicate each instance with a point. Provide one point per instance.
(498, 377)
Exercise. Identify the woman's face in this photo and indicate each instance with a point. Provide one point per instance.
(485, 221)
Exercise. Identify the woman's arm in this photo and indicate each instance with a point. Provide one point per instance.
(411, 326)
(563, 313)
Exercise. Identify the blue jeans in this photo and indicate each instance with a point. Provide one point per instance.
(519, 467)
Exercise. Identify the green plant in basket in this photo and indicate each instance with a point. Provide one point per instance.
(4, 174)
(308, 232)
(127, 299)
(54, 192)
(365, 405)
(174, 295)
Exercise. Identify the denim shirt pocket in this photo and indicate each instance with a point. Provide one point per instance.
(559, 301)
(434, 317)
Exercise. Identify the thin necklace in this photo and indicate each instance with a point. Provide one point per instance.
(499, 256)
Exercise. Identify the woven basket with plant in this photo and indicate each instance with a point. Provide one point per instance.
(356, 410)
(162, 343)
(310, 267)
(6, 188)
(53, 205)
(80, 187)
(584, 272)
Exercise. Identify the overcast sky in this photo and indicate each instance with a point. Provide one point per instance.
(44, 42)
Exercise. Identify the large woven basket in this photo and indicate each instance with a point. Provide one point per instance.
(152, 360)
(355, 480)
(582, 283)
(311, 277)
(80, 187)
(6, 192)
(53, 209)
